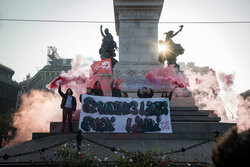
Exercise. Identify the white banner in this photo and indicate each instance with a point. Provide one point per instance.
(113, 114)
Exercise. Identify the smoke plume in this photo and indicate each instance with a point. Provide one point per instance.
(237, 108)
(75, 78)
(215, 92)
(205, 90)
(39, 108)
(168, 74)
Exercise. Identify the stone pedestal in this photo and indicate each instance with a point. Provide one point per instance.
(137, 27)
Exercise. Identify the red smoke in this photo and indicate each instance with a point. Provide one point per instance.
(38, 109)
(67, 81)
(205, 90)
(167, 75)
(217, 95)
(227, 79)
(243, 115)
(75, 78)
(55, 83)
(198, 81)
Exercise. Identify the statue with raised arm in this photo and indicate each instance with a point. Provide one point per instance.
(108, 47)
(173, 50)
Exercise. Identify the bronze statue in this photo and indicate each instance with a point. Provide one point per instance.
(173, 49)
(108, 47)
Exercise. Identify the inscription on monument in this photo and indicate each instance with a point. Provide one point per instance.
(139, 13)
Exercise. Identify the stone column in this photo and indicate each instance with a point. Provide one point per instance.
(137, 27)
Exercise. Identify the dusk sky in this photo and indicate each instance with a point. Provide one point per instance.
(223, 47)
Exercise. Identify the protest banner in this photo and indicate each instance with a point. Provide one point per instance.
(121, 115)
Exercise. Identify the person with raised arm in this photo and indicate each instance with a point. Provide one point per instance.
(68, 105)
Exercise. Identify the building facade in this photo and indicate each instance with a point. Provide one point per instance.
(55, 65)
(8, 89)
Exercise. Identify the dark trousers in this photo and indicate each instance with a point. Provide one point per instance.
(67, 112)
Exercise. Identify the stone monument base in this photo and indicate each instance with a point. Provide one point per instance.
(133, 76)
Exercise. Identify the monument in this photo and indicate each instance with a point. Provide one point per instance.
(137, 26)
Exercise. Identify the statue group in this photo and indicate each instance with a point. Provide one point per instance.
(173, 50)
(108, 47)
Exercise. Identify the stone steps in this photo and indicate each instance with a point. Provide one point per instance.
(190, 113)
(180, 129)
(183, 108)
(192, 118)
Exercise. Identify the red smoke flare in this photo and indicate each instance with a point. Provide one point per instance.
(166, 75)
(66, 80)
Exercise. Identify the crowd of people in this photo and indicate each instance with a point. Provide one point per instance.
(116, 91)
(69, 103)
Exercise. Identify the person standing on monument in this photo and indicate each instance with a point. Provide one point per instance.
(97, 89)
(169, 96)
(116, 92)
(68, 105)
(145, 93)
(164, 94)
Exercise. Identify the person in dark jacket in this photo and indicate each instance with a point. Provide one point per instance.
(116, 92)
(69, 107)
(125, 94)
(97, 89)
(165, 94)
(145, 93)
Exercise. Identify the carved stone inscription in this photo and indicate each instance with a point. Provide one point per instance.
(139, 13)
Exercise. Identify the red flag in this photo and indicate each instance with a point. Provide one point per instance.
(102, 67)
